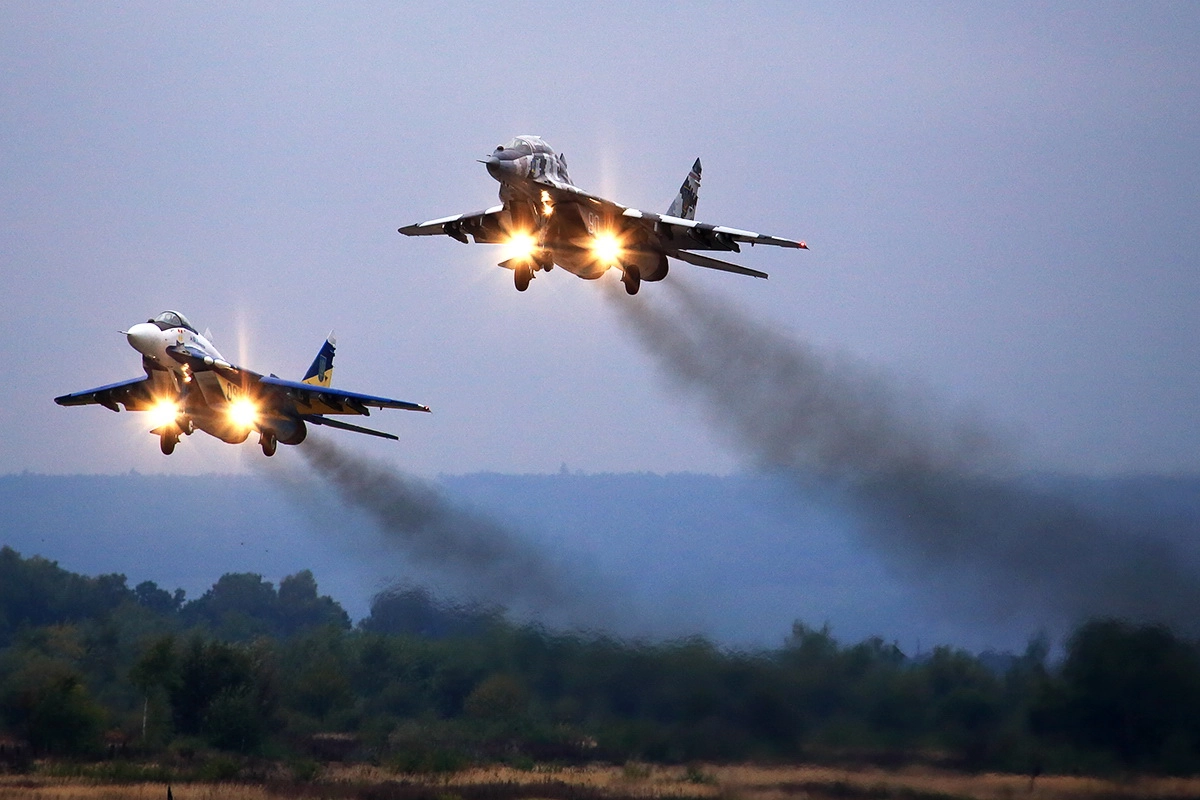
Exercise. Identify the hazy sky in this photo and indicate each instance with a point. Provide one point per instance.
(1003, 206)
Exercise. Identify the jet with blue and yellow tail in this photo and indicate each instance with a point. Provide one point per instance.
(190, 386)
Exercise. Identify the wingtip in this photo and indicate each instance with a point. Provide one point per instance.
(803, 246)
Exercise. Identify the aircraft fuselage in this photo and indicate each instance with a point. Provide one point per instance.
(206, 398)
(573, 231)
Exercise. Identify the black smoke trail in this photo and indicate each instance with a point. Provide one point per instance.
(476, 555)
(935, 491)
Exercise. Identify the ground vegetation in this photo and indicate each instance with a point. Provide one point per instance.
(251, 678)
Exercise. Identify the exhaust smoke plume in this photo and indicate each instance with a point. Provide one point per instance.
(477, 556)
(934, 493)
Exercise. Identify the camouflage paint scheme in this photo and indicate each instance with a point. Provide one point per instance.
(565, 223)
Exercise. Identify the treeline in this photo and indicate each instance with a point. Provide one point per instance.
(90, 667)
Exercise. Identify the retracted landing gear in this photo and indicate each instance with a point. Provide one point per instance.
(632, 278)
(268, 442)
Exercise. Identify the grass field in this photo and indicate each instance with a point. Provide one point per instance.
(634, 781)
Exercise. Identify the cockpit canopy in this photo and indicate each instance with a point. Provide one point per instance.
(172, 319)
(524, 146)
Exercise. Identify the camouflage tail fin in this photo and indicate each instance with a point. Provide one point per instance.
(321, 371)
(684, 204)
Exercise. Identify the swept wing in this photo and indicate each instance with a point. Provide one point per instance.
(676, 236)
(135, 394)
(309, 399)
(486, 227)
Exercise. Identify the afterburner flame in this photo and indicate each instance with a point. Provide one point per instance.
(164, 412)
(243, 413)
(606, 248)
(521, 245)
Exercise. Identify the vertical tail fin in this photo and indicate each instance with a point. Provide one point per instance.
(321, 371)
(684, 204)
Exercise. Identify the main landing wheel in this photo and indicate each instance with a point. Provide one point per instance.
(167, 442)
(269, 443)
(522, 276)
(632, 280)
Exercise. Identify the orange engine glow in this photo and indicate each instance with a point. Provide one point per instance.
(606, 248)
(243, 413)
(163, 412)
(521, 245)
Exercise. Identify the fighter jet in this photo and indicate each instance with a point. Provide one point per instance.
(547, 220)
(190, 386)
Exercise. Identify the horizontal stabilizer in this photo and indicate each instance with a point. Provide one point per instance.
(317, 419)
(712, 263)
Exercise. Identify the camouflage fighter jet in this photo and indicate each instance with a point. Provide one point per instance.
(548, 220)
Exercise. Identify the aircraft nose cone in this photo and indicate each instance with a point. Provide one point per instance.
(494, 168)
(143, 337)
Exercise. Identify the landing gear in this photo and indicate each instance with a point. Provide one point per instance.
(268, 442)
(632, 279)
(167, 441)
(522, 275)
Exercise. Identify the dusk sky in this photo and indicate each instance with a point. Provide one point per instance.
(1002, 205)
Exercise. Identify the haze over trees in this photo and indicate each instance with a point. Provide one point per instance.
(421, 685)
(747, 555)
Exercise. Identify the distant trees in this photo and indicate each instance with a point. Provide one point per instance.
(242, 606)
(413, 611)
(1130, 693)
(425, 685)
(51, 708)
(35, 592)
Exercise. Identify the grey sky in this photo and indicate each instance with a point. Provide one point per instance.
(1002, 207)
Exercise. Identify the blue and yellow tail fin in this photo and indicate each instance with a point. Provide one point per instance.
(321, 371)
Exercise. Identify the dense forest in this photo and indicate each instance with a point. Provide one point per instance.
(92, 668)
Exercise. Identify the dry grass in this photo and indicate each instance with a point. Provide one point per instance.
(631, 781)
(762, 783)
(73, 789)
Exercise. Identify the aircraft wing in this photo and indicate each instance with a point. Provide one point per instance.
(713, 263)
(135, 394)
(307, 398)
(677, 233)
(312, 400)
(671, 233)
(485, 227)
